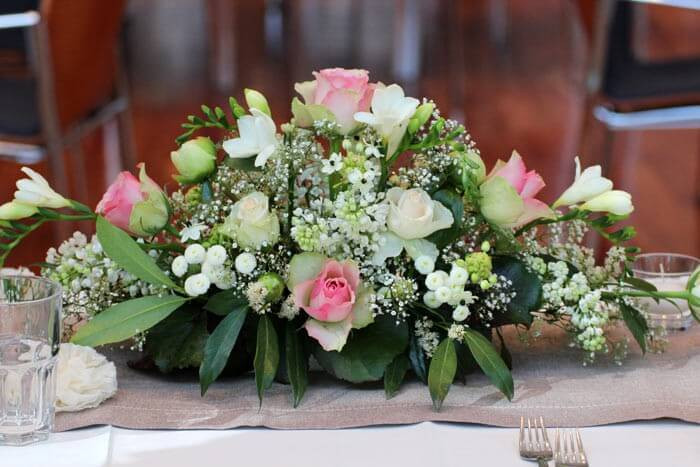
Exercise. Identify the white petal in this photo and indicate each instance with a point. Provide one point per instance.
(390, 246)
(420, 247)
(366, 117)
(264, 155)
(35, 176)
(239, 148)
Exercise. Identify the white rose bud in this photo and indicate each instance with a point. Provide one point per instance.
(216, 255)
(443, 294)
(424, 264)
(195, 254)
(245, 263)
(460, 313)
(197, 285)
(430, 300)
(436, 279)
(252, 223)
(413, 214)
(179, 266)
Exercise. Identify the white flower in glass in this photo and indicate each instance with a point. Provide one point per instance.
(258, 137)
(84, 378)
(35, 191)
(587, 185)
(391, 111)
(197, 285)
(193, 232)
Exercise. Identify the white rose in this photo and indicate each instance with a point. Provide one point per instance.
(197, 285)
(195, 254)
(413, 214)
(251, 223)
(179, 266)
(216, 255)
(245, 263)
(84, 378)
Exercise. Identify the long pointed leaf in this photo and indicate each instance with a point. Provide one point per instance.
(297, 363)
(121, 248)
(637, 325)
(126, 319)
(443, 368)
(219, 346)
(490, 362)
(267, 355)
(394, 375)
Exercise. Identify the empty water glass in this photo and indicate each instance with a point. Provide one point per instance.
(30, 335)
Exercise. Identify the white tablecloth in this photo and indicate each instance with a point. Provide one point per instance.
(658, 444)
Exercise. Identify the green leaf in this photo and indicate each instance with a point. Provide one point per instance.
(454, 203)
(178, 341)
(443, 367)
(394, 375)
(490, 362)
(417, 359)
(528, 290)
(637, 325)
(640, 284)
(267, 355)
(224, 302)
(126, 319)
(219, 346)
(367, 353)
(121, 248)
(297, 363)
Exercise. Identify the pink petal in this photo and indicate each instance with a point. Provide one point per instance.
(302, 293)
(352, 274)
(330, 313)
(533, 185)
(343, 103)
(534, 209)
(331, 336)
(513, 171)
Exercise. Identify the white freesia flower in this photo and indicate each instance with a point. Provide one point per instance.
(84, 378)
(35, 191)
(15, 210)
(197, 284)
(258, 137)
(615, 202)
(195, 254)
(193, 232)
(391, 111)
(587, 185)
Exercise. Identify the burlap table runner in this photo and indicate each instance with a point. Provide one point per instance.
(549, 381)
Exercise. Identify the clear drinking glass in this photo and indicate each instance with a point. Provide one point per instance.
(30, 335)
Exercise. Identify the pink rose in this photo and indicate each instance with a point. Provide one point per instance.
(138, 206)
(119, 200)
(508, 194)
(331, 294)
(343, 92)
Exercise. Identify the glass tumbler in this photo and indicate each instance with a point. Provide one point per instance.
(30, 335)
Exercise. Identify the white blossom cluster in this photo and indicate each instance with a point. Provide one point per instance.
(203, 267)
(428, 338)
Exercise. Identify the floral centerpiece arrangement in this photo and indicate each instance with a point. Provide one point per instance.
(366, 232)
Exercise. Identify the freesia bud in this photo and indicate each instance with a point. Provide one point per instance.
(587, 185)
(195, 160)
(14, 210)
(256, 100)
(423, 113)
(36, 191)
(616, 202)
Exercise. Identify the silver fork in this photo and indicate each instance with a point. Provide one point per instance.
(535, 447)
(568, 449)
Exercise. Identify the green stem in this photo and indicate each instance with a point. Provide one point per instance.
(685, 295)
(7, 248)
(75, 217)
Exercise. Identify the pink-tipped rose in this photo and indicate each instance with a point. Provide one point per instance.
(331, 294)
(508, 194)
(137, 206)
(337, 90)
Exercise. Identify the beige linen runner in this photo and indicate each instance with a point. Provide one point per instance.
(549, 380)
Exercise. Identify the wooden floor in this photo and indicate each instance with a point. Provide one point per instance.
(515, 76)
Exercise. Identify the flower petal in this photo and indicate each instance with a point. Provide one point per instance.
(533, 185)
(390, 246)
(331, 336)
(513, 171)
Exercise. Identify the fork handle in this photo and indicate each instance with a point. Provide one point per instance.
(542, 462)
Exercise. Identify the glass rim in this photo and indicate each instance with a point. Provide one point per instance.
(57, 289)
(665, 274)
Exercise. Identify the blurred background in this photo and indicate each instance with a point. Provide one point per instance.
(88, 88)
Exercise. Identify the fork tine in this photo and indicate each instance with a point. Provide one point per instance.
(522, 431)
(582, 453)
(537, 434)
(557, 452)
(529, 433)
(545, 438)
(574, 450)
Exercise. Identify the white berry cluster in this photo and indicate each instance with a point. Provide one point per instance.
(205, 267)
(449, 288)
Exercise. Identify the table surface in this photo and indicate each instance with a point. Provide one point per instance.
(663, 443)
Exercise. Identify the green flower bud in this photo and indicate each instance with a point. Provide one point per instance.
(422, 114)
(14, 211)
(150, 216)
(274, 285)
(256, 100)
(195, 161)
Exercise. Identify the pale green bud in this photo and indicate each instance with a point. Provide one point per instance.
(422, 114)
(195, 161)
(274, 285)
(256, 100)
(150, 216)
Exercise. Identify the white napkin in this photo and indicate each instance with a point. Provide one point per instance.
(84, 378)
